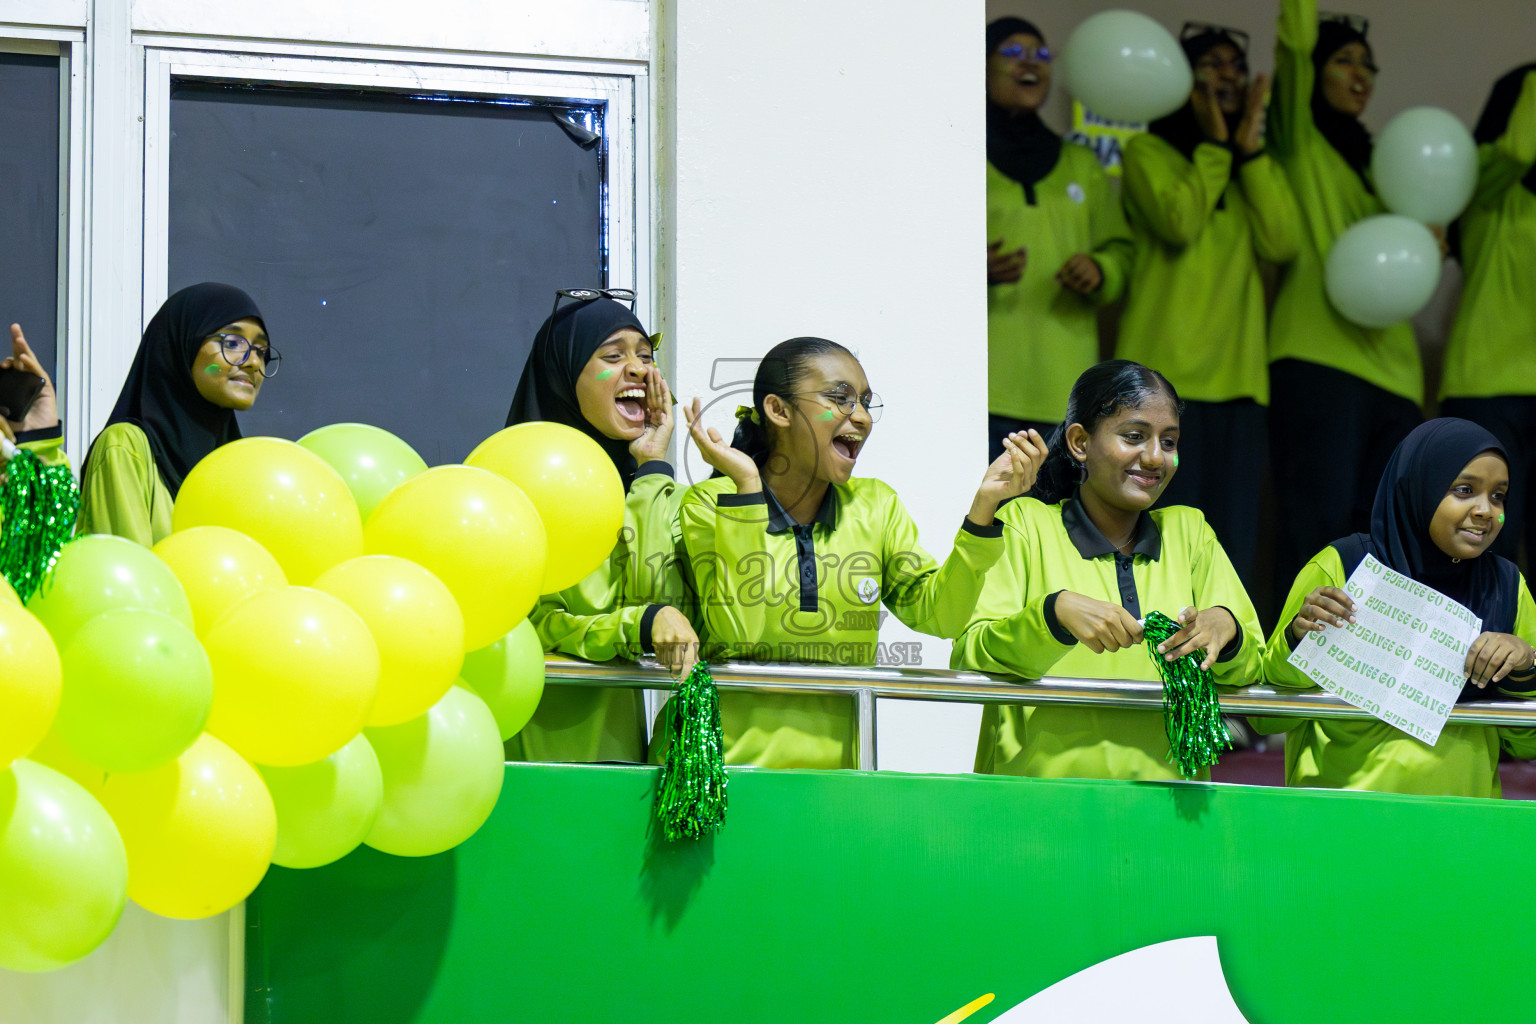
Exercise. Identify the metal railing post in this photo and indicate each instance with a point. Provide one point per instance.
(868, 733)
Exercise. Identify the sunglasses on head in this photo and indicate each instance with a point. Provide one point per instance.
(1194, 29)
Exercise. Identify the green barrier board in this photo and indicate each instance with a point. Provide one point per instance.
(853, 897)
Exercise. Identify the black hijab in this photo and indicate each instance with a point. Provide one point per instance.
(561, 350)
(159, 396)
(1344, 132)
(1495, 117)
(1417, 476)
(1018, 144)
(1181, 129)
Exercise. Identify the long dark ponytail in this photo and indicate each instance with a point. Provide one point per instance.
(782, 372)
(1103, 390)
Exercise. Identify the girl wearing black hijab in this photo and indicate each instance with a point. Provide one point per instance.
(1206, 204)
(592, 368)
(1369, 379)
(203, 357)
(1057, 243)
(1490, 363)
(1438, 508)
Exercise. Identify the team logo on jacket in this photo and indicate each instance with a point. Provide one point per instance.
(1075, 192)
(869, 590)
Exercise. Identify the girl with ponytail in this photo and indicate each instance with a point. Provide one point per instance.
(1085, 558)
(792, 555)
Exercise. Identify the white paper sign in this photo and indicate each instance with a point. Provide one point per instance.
(1403, 659)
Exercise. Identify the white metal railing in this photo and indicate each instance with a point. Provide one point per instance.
(866, 685)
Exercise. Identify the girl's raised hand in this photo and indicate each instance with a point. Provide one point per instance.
(1099, 625)
(1250, 130)
(1325, 606)
(1495, 655)
(652, 445)
(1204, 629)
(719, 454)
(45, 408)
(1011, 475)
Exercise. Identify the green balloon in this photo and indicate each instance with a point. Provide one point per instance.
(1424, 165)
(1125, 66)
(63, 870)
(372, 461)
(1383, 270)
(137, 690)
(100, 573)
(442, 775)
(509, 676)
(325, 809)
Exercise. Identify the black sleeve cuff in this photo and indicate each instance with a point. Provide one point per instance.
(655, 466)
(645, 627)
(995, 530)
(1053, 624)
(1230, 651)
(740, 500)
(40, 434)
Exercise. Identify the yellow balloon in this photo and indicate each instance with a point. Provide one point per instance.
(295, 672)
(218, 568)
(7, 595)
(199, 831)
(474, 531)
(281, 495)
(573, 484)
(54, 753)
(415, 622)
(31, 682)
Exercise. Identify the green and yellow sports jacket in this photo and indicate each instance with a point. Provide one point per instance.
(1176, 562)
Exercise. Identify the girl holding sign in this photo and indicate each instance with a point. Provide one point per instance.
(1438, 508)
(1085, 558)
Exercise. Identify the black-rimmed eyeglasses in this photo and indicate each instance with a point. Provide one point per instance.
(845, 400)
(236, 350)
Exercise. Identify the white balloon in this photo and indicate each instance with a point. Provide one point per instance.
(1424, 165)
(1126, 67)
(1383, 270)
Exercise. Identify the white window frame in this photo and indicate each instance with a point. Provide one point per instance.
(68, 44)
(622, 88)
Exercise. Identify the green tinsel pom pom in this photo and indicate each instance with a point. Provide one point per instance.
(1191, 712)
(39, 504)
(690, 792)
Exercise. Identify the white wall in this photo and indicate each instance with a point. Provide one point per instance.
(828, 182)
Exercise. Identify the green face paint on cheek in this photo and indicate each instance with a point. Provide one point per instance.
(1175, 459)
(1501, 518)
(826, 416)
(211, 369)
(605, 374)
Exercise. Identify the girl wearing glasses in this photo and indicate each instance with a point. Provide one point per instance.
(1369, 379)
(792, 555)
(1490, 363)
(1206, 204)
(203, 357)
(1057, 243)
(592, 367)
(1085, 558)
